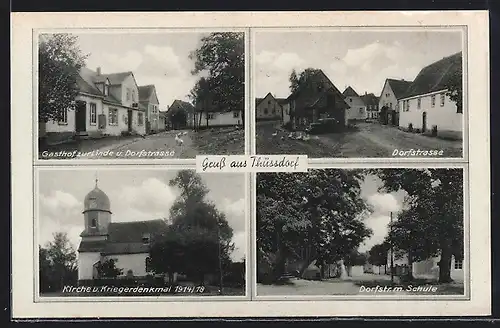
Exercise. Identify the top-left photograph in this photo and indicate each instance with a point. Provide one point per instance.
(140, 95)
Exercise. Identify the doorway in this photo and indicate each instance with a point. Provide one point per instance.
(81, 116)
(424, 122)
(129, 120)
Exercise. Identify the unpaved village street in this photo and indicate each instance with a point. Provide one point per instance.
(223, 141)
(367, 140)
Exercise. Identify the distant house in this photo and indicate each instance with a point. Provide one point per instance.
(371, 103)
(426, 269)
(426, 105)
(207, 114)
(162, 124)
(316, 99)
(357, 108)
(389, 110)
(107, 104)
(268, 108)
(148, 99)
(181, 114)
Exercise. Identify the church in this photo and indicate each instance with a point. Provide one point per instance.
(128, 243)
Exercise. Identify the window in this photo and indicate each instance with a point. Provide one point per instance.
(113, 116)
(133, 95)
(106, 90)
(458, 265)
(361, 110)
(93, 223)
(408, 105)
(419, 103)
(442, 99)
(433, 101)
(210, 116)
(145, 238)
(93, 114)
(140, 119)
(265, 111)
(236, 114)
(350, 99)
(64, 117)
(128, 94)
(148, 264)
(269, 102)
(390, 105)
(387, 95)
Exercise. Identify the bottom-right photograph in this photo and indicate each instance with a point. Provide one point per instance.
(390, 231)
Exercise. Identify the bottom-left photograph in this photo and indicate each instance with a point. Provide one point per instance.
(140, 232)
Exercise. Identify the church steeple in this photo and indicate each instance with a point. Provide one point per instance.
(96, 211)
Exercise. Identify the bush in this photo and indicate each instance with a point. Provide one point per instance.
(125, 133)
(410, 127)
(417, 130)
(288, 126)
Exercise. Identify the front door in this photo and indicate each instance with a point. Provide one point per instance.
(81, 116)
(129, 120)
(424, 122)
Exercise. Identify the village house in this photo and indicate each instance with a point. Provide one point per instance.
(392, 91)
(162, 116)
(426, 269)
(207, 115)
(148, 100)
(106, 105)
(426, 106)
(316, 99)
(357, 107)
(127, 243)
(268, 108)
(371, 103)
(181, 114)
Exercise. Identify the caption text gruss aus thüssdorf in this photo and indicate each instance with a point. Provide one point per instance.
(256, 163)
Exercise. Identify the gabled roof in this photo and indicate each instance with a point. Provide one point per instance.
(436, 76)
(145, 91)
(180, 105)
(281, 101)
(349, 92)
(126, 237)
(370, 99)
(399, 87)
(116, 78)
(259, 100)
(86, 83)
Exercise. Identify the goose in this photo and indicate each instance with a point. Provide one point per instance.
(178, 140)
(275, 134)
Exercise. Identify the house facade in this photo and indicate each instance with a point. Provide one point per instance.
(427, 269)
(357, 107)
(127, 243)
(181, 114)
(218, 118)
(148, 100)
(106, 105)
(268, 108)
(162, 126)
(371, 103)
(426, 106)
(316, 99)
(388, 105)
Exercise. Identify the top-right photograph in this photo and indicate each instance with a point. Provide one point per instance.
(360, 93)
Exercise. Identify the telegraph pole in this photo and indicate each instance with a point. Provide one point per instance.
(219, 256)
(392, 251)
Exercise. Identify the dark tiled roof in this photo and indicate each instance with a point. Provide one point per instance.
(179, 105)
(370, 99)
(258, 101)
(349, 92)
(281, 101)
(399, 87)
(436, 76)
(145, 92)
(116, 78)
(126, 237)
(86, 83)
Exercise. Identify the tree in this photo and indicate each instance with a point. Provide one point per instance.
(58, 265)
(108, 269)
(432, 221)
(294, 81)
(454, 86)
(199, 237)
(59, 62)
(222, 57)
(321, 210)
(378, 254)
(303, 79)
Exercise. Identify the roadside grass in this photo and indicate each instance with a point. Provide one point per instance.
(223, 141)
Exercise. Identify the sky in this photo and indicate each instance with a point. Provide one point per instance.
(382, 205)
(154, 58)
(360, 59)
(135, 195)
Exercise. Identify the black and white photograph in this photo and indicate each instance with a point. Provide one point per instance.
(129, 94)
(142, 232)
(395, 231)
(359, 93)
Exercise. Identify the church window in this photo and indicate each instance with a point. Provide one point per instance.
(148, 264)
(458, 265)
(93, 223)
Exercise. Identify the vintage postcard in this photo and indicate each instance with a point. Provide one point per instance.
(244, 164)
(359, 92)
(139, 94)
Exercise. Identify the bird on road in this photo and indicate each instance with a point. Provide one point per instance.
(178, 140)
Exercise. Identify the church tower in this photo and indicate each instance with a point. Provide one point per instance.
(96, 213)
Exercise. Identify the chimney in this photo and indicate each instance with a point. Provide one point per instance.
(98, 70)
